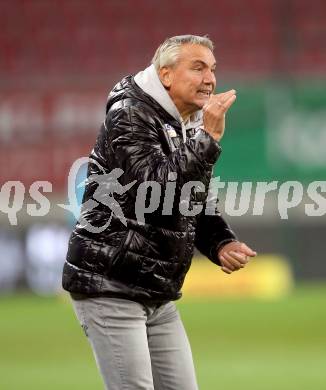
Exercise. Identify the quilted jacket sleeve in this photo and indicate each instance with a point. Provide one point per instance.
(136, 145)
(212, 233)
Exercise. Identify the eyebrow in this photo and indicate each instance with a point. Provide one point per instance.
(202, 63)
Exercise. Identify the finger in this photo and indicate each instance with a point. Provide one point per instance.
(226, 263)
(221, 97)
(222, 106)
(232, 261)
(246, 250)
(228, 103)
(241, 257)
(226, 270)
(228, 97)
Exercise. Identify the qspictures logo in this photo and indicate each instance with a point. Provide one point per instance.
(246, 198)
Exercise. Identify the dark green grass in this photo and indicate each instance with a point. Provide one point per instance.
(237, 343)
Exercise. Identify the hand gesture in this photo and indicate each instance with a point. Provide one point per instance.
(234, 255)
(214, 113)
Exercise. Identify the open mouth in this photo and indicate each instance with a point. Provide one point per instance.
(205, 93)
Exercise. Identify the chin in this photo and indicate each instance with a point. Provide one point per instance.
(200, 103)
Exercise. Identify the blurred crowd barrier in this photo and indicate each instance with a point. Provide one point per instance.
(58, 61)
(33, 259)
(277, 131)
(58, 40)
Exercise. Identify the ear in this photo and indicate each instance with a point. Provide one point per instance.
(165, 76)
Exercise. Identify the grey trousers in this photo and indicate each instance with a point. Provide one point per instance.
(137, 346)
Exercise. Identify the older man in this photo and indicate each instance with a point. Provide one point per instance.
(162, 125)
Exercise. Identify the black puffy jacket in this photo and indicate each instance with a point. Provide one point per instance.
(147, 260)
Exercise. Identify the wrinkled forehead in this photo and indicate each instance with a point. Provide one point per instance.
(191, 53)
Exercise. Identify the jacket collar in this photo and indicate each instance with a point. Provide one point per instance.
(149, 81)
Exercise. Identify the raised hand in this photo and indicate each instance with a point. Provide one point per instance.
(214, 113)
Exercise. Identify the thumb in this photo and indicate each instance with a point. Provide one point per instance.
(247, 251)
(210, 101)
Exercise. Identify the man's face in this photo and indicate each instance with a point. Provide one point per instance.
(191, 80)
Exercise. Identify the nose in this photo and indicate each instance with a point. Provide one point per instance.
(209, 77)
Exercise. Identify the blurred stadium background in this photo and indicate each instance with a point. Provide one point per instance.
(263, 329)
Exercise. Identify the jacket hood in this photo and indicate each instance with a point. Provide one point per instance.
(150, 83)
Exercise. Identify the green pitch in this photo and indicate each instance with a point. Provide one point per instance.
(237, 344)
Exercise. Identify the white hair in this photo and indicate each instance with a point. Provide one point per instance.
(167, 53)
